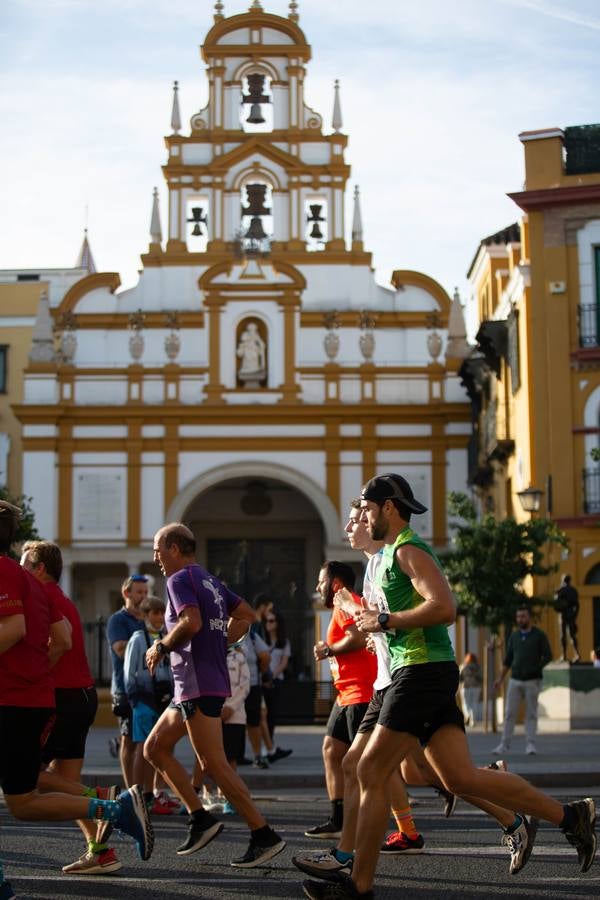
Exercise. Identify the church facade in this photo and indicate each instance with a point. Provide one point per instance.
(257, 374)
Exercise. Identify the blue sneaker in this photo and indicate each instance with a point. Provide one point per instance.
(135, 821)
(6, 892)
(228, 809)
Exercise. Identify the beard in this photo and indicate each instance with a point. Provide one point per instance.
(378, 529)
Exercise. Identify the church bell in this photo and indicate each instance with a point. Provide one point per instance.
(256, 232)
(255, 97)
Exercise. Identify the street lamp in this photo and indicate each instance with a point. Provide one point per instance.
(530, 499)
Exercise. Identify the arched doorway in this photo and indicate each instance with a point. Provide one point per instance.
(261, 534)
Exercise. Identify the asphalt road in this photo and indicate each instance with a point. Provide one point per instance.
(462, 858)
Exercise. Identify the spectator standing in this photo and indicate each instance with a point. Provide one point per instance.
(258, 658)
(527, 652)
(470, 687)
(148, 696)
(280, 650)
(233, 714)
(119, 629)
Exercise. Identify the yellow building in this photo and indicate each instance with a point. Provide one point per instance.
(534, 380)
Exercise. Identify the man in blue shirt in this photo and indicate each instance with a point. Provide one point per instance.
(119, 629)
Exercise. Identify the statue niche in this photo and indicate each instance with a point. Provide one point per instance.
(251, 350)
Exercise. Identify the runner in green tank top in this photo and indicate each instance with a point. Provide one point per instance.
(419, 645)
(420, 703)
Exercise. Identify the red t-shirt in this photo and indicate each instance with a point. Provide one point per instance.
(25, 678)
(353, 673)
(72, 669)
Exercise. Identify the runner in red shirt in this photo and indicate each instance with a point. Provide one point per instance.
(76, 706)
(354, 670)
(27, 617)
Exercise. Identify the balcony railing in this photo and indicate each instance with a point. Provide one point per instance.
(591, 490)
(588, 318)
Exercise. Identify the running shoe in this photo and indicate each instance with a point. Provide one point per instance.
(520, 843)
(449, 801)
(277, 754)
(94, 864)
(260, 762)
(113, 747)
(582, 835)
(168, 800)
(326, 831)
(6, 892)
(134, 820)
(260, 851)
(530, 749)
(398, 842)
(322, 865)
(500, 765)
(160, 807)
(229, 809)
(107, 793)
(344, 889)
(501, 749)
(202, 829)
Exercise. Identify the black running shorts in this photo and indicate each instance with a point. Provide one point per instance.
(23, 732)
(371, 717)
(421, 699)
(75, 714)
(208, 705)
(344, 721)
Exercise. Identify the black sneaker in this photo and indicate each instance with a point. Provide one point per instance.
(342, 889)
(449, 801)
(583, 836)
(520, 843)
(279, 754)
(324, 832)
(202, 829)
(260, 850)
(260, 762)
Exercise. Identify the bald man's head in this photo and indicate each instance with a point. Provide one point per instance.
(174, 547)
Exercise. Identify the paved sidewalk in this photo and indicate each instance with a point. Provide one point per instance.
(563, 760)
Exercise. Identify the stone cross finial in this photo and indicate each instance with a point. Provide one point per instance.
(293, 14)
(175, 114)
(219, 7)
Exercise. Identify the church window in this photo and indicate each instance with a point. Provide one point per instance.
(3, 368)
(256, 110)
(257, 216)
(316, 223)
(197, 224)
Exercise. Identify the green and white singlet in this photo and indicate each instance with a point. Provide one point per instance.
(417, 645)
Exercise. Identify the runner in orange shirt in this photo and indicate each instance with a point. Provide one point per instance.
(353, 670)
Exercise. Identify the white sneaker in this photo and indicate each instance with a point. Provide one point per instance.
(501, 749)
(530, 749)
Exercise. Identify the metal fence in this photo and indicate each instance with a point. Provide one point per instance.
(591, 490)
(302, 701)
(588, 317)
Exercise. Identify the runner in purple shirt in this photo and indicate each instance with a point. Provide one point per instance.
(200, 666)
(203, 617)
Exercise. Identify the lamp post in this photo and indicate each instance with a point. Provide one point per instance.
(530, 499)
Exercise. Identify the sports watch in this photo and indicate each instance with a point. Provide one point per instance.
(383, 619)
(161, 648)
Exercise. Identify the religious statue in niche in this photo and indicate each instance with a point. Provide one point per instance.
(252, 353)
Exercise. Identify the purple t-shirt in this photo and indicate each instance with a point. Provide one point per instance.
(200, 666)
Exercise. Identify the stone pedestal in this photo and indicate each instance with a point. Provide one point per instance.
(570, 697)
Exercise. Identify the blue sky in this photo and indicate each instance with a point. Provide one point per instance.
(433, 94)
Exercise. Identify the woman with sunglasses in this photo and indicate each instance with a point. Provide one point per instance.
(279, 647)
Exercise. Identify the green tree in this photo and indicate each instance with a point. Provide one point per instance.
(491, 558)
(27, 530)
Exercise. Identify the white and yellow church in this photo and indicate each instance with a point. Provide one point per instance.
(256, 374)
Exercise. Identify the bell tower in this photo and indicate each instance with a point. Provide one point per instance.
(257, 170)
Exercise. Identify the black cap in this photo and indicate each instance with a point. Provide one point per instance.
(391, 487)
